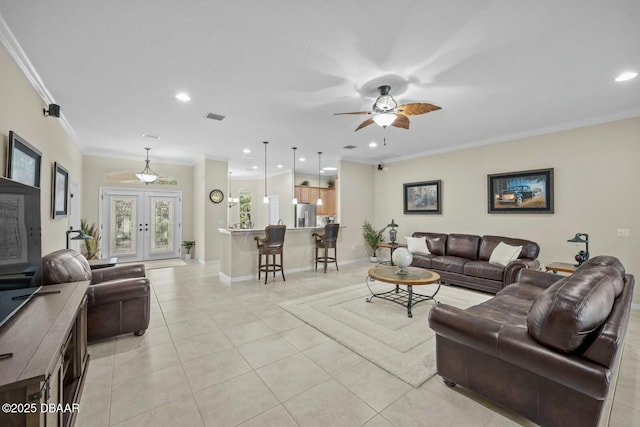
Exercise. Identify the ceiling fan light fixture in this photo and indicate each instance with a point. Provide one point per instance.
(627, 75)
(384, 119)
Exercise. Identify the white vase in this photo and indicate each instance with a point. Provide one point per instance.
(373, 259)
(187, 256)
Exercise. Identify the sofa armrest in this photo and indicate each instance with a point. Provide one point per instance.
(514, 345)
(117, 272)
(118, 290)
(538, 278)
(514, 267)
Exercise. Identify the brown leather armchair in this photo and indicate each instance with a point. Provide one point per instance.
(118, 297)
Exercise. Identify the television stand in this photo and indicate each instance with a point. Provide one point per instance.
(42, 380)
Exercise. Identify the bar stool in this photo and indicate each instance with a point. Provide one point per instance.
(271, 244)
(326, 241)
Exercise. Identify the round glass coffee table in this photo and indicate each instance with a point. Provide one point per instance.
(414, 276)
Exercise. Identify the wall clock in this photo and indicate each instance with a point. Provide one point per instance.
(216, 196)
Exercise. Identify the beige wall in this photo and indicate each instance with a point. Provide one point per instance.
(21, 111)
(95, 169)
(355, 204)
(597, 182)
(207, 216)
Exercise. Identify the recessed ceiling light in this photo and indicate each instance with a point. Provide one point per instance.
(279, 166)
(184, 97)
(329, 168)
(321, 171)
(302, 159)
(246, 151)
(627, 75)
(254, 167)
(373, 144)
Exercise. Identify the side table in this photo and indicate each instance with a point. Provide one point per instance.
(563, 267)
(392, 247)
(96, 264)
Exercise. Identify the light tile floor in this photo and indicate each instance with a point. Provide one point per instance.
(220, 354)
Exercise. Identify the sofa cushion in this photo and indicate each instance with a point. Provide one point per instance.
(436, 242)
(607, 260)
(529, 250)
(463, 246)
(503, 254)
(417, 245)
(451, 264)
(564, 315)
(420, 260)
(484, 269)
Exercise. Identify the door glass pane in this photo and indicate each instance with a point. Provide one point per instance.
(162, 222)
(122, 229)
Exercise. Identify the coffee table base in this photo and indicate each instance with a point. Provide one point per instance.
(406, 298)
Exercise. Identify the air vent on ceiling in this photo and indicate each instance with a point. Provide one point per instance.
(214, 116)
(349, 147)
(147, 135)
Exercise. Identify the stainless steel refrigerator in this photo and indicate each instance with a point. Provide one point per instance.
(305, 215)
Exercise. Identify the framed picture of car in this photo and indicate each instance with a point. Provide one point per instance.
(521, 192)
(423, 197)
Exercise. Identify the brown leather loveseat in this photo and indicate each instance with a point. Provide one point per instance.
(463, 259)
(118, 297)
(547, 347)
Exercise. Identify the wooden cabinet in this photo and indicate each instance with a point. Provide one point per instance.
(328, 196)
(303, 193)
(308, 194)
(42, 378)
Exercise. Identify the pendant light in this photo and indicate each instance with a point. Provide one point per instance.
(319, 201)
(147, 175)
(265, 200)
(294, 200)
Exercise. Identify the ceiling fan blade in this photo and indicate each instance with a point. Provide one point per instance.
(364, 124)
(417, 108)
(401, 121)
(358, 112)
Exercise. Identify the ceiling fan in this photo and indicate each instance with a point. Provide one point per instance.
(386, 112)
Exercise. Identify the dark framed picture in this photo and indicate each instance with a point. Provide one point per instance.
(60, 199)
(521, 192)
(423, 197)
(23, 161)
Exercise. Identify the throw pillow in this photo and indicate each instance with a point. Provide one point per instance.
(503, 254)
(417, 245)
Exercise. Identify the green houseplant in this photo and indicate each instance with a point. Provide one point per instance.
(372, 237)
(91, 246)
(188, 244)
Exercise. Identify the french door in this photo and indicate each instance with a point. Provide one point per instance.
(140, 225)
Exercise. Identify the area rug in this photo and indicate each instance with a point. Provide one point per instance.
(164, 263)
(380, 331)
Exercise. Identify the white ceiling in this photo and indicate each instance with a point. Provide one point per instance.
(278, 70)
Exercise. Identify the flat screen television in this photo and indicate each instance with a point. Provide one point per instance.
(20, 246)
(20, 253)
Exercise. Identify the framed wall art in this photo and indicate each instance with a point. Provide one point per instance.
(23, 161)
(60, 191)
(521, 192)
(423, 197)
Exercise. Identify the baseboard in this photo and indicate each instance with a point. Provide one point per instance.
(229, 279)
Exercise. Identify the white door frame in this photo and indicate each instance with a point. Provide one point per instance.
(144, 196)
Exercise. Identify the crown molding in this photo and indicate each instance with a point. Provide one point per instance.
(10, 43)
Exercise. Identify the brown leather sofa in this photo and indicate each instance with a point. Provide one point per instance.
(547, 347)
(118, 297)
(463, 259)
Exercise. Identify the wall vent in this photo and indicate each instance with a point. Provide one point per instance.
(214, 116)
(349, 147)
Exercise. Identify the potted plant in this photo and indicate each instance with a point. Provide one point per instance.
(372, 237)
(91, 246)
(188, 244)
(305, 182)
